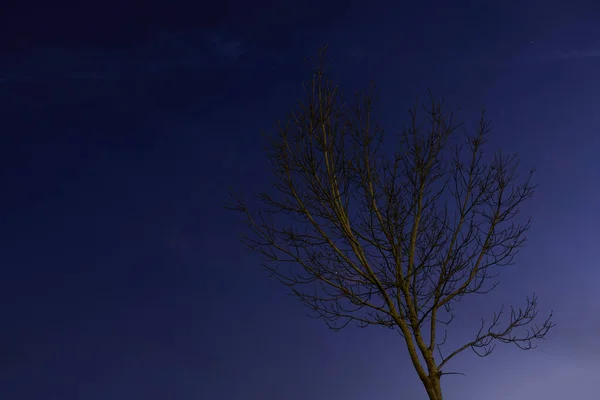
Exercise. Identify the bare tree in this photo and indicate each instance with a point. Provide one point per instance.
(392, 232)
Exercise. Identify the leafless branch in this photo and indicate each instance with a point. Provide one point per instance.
(392, 230)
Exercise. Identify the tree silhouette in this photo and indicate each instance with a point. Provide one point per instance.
(392, 230)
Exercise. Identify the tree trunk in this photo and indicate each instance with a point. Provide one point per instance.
(433, 387)
(435, 382)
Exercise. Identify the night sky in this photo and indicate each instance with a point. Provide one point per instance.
(124, 126)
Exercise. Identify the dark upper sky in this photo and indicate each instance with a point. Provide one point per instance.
(124, 125)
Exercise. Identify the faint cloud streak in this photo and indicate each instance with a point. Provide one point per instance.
(232, 50)
(163, 53)
(577, 54)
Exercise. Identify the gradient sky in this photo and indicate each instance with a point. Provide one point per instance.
(123, 128)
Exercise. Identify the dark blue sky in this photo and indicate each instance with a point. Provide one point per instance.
(124, 126)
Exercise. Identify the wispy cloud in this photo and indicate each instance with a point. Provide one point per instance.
(577, 54)
(231, 49)
(533, 54)
(163, 53)
(556, 55)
